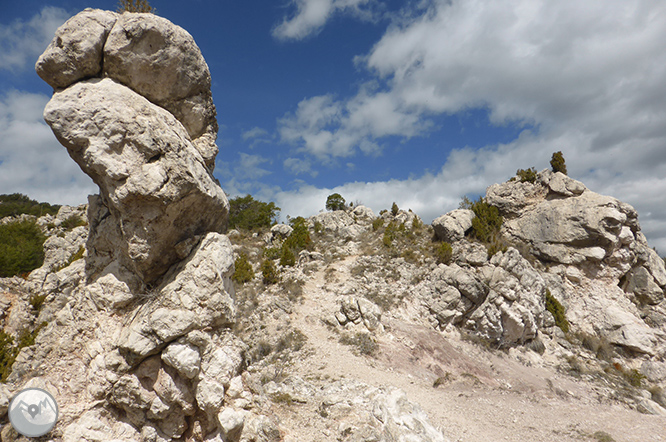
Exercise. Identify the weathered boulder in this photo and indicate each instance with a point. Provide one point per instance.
(153, 181)
(359, 310)
(452, 226)
(161, 61)
(76, 51)
(573, 230)
(363, 213)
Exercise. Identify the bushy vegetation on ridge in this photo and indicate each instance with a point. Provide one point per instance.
(335, 202)
(135, 6)
(557, 163)
(21, 248)
(18, 204)
(249, 214)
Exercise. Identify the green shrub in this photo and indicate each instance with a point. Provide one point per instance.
(602, 436)
(242, 270)
(269, 272)
(557, 310)
(378, 223)
(410, 256)
(7, 355)
(465, 203)
(335, 202)
(496, 244)
(527, 175)
(362, 342)
(249, 214)
(17, 204)
(390, 234)
(416, 224)
(487, 221)
(394, 209)
(8, 351)
(287, 258)
(293, 340)
(557, 163)
(318, 227)
(36, 301)
(72, 222)
(21, 248)
(299, 239)
(443, 253)
(135, 6)
(272, 252)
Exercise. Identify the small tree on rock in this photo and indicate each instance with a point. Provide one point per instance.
(394, 209)
(135, 6)
(335, 202)
(557, 163)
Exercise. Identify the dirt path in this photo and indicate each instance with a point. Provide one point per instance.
(487, 397)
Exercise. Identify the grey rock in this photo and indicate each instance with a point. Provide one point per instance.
(642, 284)
(561, 184)
(183, 357)
(646, 406)
(338, 222)
(360, 310)
(452, 226)
(281, 231)
(231, 423)
(152, 179)
(76, 50)
(363, 214)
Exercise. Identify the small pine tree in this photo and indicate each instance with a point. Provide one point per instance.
(135, 6)
(527, 175)
(243, 270)
(557, 163)
(335, 202)
(287, 258)
(443, 253)
(269, 272)
(394, 209)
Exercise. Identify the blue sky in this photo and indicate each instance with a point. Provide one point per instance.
(417, 102)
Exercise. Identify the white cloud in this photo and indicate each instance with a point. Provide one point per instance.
(249, 167)
(255, 132)
(298, 166)
(22, 42)
(312, 15)
(590, 77)
(32, 161)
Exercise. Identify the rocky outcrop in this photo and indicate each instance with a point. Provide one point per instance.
(143, 130)
(452, 226)
(589, 253)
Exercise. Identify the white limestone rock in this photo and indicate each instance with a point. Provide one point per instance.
(183, 357)
(76, 50)
(152, 179)
(231, 423)
(452, 226)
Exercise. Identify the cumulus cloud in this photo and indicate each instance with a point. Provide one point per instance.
(22, 42)
(311, 16)
(590, 77)
(41, 167)
(299, 166)
(255, 132)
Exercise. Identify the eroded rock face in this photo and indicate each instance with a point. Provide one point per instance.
(145, 133)
(151, 177)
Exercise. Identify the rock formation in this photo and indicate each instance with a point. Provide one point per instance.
(143, 336)
(133, 107)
